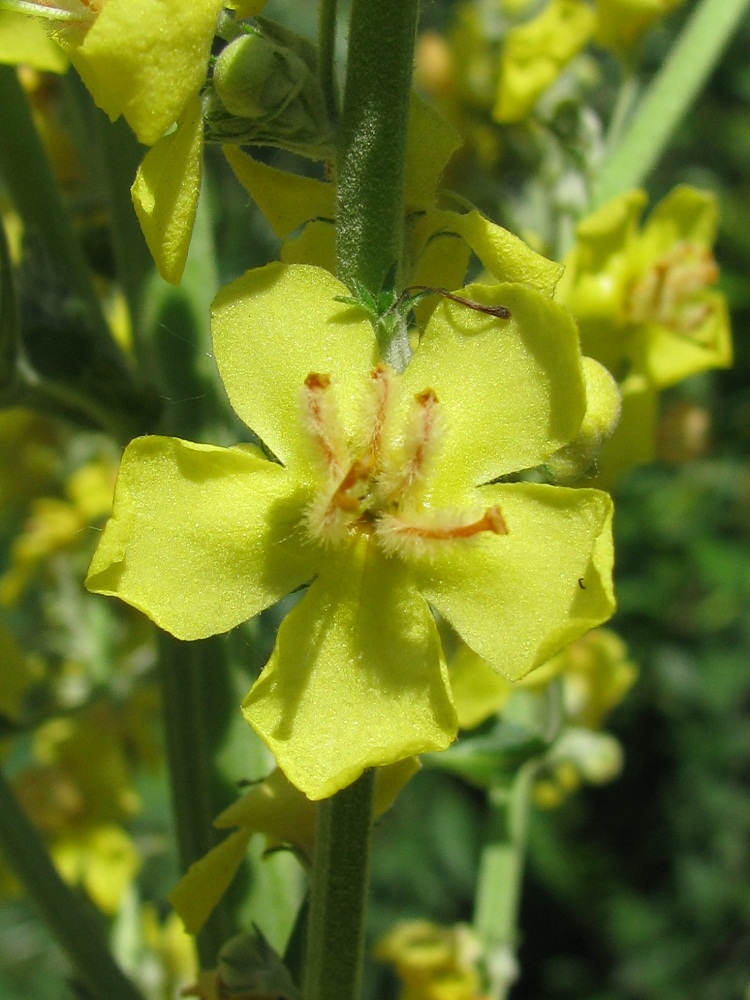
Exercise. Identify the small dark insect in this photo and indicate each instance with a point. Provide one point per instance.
(581, 584)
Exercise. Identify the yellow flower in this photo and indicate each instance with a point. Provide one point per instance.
(143, 59)
(384, 499)
(103, 860)
(146, 60)
(432, 962)
(535, 53)
(643, 299)
(645, 305)
(56, 524)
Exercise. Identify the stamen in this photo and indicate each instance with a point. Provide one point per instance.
(379, 406)
(441, 526)
(359, 472)
(320, 419)
(670, 290)
(408, 467)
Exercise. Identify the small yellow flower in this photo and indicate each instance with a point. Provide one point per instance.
(432, 962)
(56, 524)
(383, 499)
(104, 860)
(646, 306)
(143, 59)
(535, 53)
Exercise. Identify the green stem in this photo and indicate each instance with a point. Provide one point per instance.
(35, 194)
(70, 921)
(627, 96)
(327, 55)
(669, 96)
(369, 229)
(372, 142)
(338, 897)
(500, 877)
(192, 676)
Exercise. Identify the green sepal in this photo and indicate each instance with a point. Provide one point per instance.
(250, 967)
(265, 91)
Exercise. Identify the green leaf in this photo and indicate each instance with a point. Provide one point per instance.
(492, 757)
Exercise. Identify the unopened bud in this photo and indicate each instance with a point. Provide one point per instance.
(265, 92)
(603, 406)
(252, 76)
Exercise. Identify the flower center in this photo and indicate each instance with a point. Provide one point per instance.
(377, 481)
(672, 291)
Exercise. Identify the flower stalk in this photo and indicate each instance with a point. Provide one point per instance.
(372, 142)
(338, 901)
(500, 877)
(371, 169)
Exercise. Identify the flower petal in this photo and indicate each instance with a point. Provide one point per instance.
(23, 40)
(356, 679)
(506, 256)
(512, 390)
(271, 328)
(536, 52)
(430, 143)
(686, 213)
(279, 810)
(287, 200)
(315, 244)
(667, 356)
(165, 193)
(206, 880)
(201, 538)
(634, 440)
(145, 59)
(517, 599)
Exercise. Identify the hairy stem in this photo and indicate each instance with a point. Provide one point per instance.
(338, 900)
(372, 141)
(327, 55)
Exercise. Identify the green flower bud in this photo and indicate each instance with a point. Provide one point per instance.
(253, 77)
(265, 92)
(603, 406)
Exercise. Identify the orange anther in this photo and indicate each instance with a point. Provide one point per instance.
(428, 397)
(317, 381)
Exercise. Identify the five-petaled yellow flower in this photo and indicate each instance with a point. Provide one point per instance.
(383, 494)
